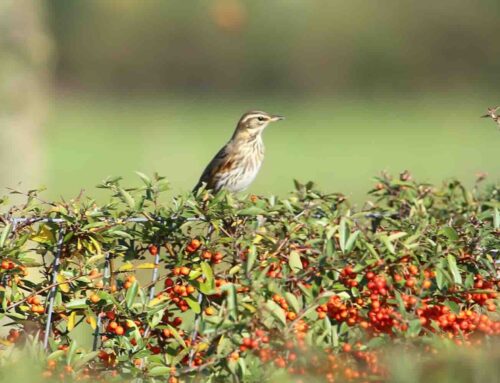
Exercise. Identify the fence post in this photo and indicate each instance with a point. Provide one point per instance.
(154, 277)
(107, 276)
(52, 294)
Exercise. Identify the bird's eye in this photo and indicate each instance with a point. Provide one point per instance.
(260, 118)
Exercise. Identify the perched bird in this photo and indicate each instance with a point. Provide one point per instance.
(236, 165)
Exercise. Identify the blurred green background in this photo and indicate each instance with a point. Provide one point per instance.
(100, 87)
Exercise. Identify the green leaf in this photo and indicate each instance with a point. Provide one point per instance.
(452, 263)
(176, 335)
(82, 362)
(232, 302)
(95, 258)
(440, 276)
(77, 304)
(56, 354)
(5, 232)
(127, 198)
(121, 234)
(388, 244)
(295, 262)
(292, 301)
(276, 311)
(144, 178)
(351, 241)
(453, 306)
(414, 327)
(71, 352)
(159, 371)
(209, 284)
(449, 232)
(343, 234)
(131, 294)
(252, 211)
(251, 258)
(193, 304)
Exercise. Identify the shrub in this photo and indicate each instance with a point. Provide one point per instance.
(247, 289)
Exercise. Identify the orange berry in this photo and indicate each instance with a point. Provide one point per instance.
(184, 270)
(413, 269)
(94, 298)
(119, 330)
(36, 301)
(410, 282)
(94, 273)
(113, 325)
(167, 333)
(209, 311)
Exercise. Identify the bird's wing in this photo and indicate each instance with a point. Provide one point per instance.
(215, 169)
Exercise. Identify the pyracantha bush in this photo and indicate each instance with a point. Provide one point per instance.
(226, 288)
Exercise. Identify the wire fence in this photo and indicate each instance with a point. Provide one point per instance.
(57, 252)
(58, 249)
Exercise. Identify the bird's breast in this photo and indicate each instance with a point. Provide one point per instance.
(247, 166)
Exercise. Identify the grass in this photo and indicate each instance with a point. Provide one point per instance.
(340, 143)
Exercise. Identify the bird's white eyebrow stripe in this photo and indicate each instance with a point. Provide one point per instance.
(248, 116)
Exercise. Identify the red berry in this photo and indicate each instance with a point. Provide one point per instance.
(153, 249)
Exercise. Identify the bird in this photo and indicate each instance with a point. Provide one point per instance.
(493, 114)
(237, 163)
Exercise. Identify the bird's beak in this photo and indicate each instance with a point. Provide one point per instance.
(277, 118)
(486, 115)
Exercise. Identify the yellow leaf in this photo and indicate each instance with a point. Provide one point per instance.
(257, 239)
(71, 320)
(146, 266)
(44, 235)
(155, 301)
(126, 267)
(201, 347)
(249, 307)
(131, 323)
(92, 321)
(97, 245)
(63, 286)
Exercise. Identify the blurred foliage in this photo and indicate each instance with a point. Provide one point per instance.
(25, 51)
(282, 45)
(256, 289)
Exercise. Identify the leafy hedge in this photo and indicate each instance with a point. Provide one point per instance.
(248, 288)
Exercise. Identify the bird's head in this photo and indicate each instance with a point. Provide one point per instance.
(254, 122)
